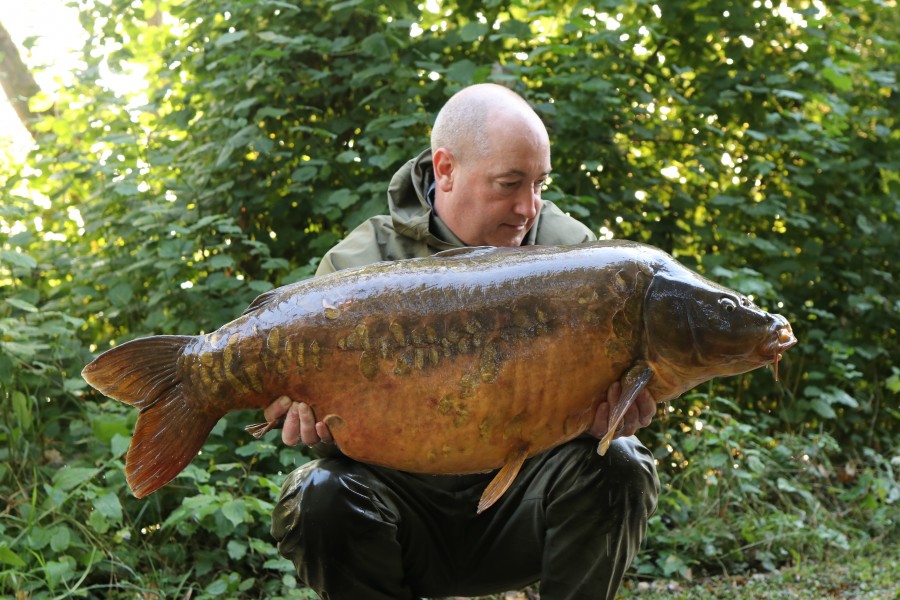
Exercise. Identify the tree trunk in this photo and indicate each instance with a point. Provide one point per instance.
(16, 79)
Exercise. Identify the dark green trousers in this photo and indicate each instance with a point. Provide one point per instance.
(572, 519)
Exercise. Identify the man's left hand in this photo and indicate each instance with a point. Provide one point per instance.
(639, 414)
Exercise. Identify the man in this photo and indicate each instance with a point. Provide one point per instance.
(572, 519)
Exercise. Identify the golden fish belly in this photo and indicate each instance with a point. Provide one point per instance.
(454, 420)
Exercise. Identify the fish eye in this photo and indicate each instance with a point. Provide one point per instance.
(728, 304)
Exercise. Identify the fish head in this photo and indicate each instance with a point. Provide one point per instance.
(697, 329)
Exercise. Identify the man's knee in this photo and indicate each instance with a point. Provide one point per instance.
(329, 494)
(631, 463)
(624, 477)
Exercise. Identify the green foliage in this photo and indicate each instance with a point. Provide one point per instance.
(758, 145)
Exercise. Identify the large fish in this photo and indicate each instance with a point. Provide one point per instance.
(463, 362)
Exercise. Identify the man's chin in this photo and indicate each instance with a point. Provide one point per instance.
(511, 237)
(507, 241)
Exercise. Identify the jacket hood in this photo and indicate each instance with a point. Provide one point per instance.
(410, 211)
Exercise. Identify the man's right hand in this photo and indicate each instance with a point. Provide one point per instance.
(299, 422)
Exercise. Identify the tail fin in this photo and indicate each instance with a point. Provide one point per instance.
(171, 427)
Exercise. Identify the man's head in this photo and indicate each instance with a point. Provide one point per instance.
(491, 156)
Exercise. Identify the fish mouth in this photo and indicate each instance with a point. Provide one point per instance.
(783, 339)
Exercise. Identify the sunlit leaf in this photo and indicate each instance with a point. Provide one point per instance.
(19, 259)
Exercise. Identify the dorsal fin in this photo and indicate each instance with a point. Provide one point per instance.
(504, 478)
(262, 300)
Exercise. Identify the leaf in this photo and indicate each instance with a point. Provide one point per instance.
(789, 94)
(120, 294)
(275, 38)
(348, 156)
(235, 511)
(217, 587)
(725, 200)
(22, 305)
(19, 259)
(839, 396)
(9, 557)
(461, 71)
(244, 104)
(39, 537)
(220, 261)
(893, 383)
(60, 570)
(236, 550)
(22, 410)
(270, 111)
(61, 539)
(69, 477)
(823, 408)
(342, 199)
(109, 506)
(74, 385)
(472, 30)
(376, 46)
(841, 81)
(229, 38)
(304, 174)
(337, 6)
(119, 444)
(756, 135)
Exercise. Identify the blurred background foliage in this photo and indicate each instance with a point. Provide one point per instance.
(756, 141)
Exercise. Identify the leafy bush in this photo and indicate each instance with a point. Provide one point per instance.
(757, 144)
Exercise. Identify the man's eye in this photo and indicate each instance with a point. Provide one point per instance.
(509, 184)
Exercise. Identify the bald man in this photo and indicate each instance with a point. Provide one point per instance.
(572, 519)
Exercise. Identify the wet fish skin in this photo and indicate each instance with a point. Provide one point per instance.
(457, 363)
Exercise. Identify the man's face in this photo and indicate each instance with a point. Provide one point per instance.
(494, 200)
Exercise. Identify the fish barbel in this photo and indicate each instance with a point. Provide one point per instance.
(467, 361)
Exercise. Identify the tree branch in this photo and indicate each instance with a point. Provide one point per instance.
(16, 80)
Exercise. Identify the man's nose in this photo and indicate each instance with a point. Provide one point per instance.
(527, 203)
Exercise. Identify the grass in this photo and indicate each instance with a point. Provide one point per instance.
(865, 573)
(868, 573)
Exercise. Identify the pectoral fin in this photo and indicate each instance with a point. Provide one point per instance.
(635, 380)
(504, 478)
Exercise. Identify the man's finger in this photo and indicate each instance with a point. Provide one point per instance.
(646, 408)
(277, 409)
(324, 433)
(601, 421)
(290, 432)
(308, 425)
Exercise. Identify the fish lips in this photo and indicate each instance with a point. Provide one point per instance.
(780, 339)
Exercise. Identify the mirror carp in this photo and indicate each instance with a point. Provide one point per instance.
(466, 361)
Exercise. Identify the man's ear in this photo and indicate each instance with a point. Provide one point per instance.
(444, 167)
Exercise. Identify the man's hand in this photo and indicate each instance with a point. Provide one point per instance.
(299, 423)
(639, 414)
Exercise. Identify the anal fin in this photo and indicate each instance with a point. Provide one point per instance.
(504, 478)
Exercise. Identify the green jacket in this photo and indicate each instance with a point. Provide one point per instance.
(412, 230)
